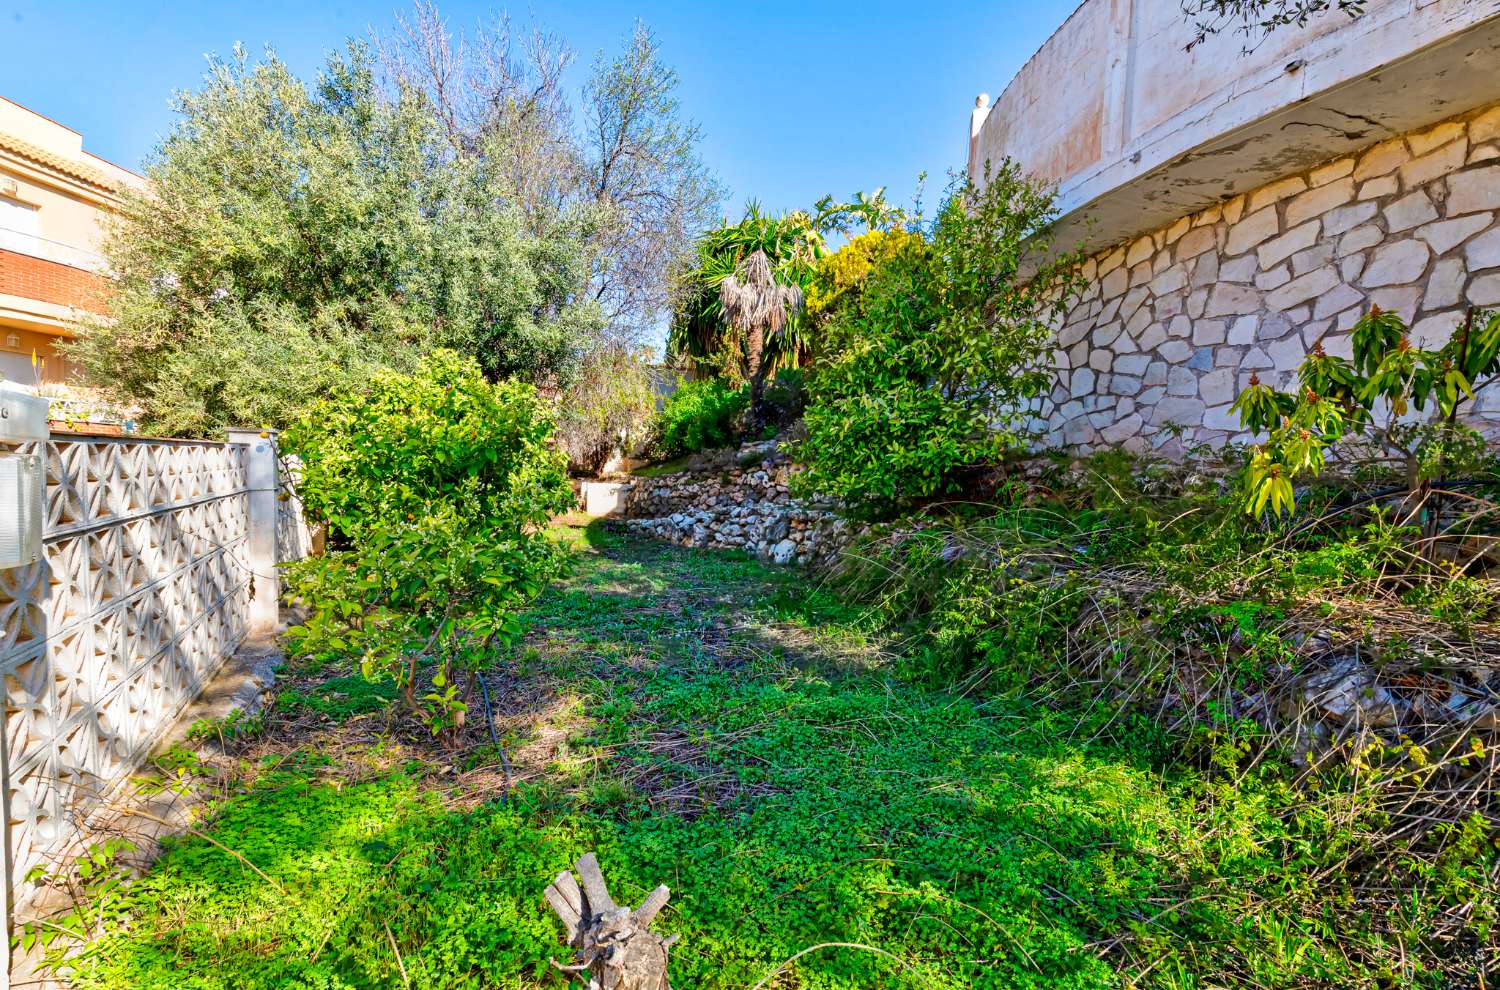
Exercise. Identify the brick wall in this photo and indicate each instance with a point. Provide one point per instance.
(50, 282)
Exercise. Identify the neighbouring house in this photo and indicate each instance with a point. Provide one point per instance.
(55, 199)
(1253, 196)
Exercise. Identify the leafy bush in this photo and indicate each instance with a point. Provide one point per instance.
(1371, 397)
(931, 372)
(700, 415)
(839, 278)
(606, 409)
(434, 485)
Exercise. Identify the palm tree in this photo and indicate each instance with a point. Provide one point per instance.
(756, 306)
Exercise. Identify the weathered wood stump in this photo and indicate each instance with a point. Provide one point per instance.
(614, 944)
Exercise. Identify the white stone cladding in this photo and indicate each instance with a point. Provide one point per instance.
(1174, 322)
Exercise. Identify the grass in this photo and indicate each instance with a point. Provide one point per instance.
(699, 719)
(675, 466)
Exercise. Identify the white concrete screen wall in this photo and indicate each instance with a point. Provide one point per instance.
(153, 572)
(1242, 207)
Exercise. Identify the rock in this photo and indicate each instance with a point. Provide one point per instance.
(1409, 211)
(1252, 230)
(1316, 202)
(1275, 251)
(1472, 191)
(1396, 264)
(784, 552)
(1448, 234)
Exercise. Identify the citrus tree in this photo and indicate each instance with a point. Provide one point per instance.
(929, 373)
(434, 486)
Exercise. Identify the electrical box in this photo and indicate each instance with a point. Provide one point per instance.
(23, 416)
(23, 480)
(23, 477)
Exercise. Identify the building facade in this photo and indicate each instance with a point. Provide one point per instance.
(55, 201)
(1250, 198)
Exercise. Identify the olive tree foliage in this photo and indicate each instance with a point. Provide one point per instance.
(1258, 17)
(619, 152)
(296, 236)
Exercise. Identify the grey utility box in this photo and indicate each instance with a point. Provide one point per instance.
(23, 477)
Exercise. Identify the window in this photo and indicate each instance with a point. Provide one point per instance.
(19, 217)
(18, 368)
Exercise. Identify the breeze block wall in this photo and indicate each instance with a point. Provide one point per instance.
(1174, 322)
(159, 559)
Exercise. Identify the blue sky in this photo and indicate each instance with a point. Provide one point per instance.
(795, 99)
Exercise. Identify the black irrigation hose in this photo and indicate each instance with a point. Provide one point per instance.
(489, 719)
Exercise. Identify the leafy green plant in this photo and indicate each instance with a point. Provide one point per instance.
(99, 883)
(235, 725)
(931, 374)
(698, 416)
(436, 486)
(607, 409)
(703, 335)
(1370, 396)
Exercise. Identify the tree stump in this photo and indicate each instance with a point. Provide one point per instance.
(613, 944)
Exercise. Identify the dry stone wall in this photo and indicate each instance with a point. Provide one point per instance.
(737, 499)
(1174, 323)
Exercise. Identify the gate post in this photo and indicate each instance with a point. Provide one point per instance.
(260, 549)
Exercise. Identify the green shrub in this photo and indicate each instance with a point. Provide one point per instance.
(1370, 398)
(700, 415)
(930, 371)
(785, 398)
(436, 485)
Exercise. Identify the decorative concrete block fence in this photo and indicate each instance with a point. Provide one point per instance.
(159, 560)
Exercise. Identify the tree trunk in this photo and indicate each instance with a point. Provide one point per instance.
(614, 944)
(755, 345)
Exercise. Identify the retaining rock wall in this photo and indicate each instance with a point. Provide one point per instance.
(737, 499)
(1175, 322)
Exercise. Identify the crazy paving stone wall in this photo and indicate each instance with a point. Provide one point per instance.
(1175, 322)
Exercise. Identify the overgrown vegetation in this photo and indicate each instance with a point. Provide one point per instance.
(1340, 669)
(700, 720)
(434, 486)
(932, 371)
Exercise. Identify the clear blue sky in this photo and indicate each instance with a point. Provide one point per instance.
(796, 99)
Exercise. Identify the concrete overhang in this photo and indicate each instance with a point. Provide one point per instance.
(1402, 65)
(33, 314)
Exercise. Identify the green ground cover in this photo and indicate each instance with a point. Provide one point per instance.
(702, 720)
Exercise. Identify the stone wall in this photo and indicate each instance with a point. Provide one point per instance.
(1174, 322)
(736, 499)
